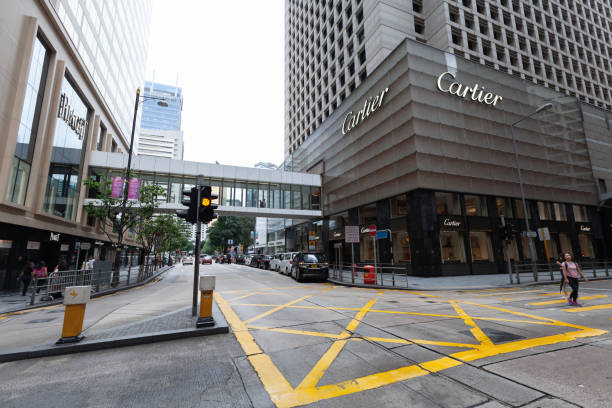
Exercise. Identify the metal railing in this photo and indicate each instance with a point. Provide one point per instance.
(52, 287)
(551, 271)
(370, 274)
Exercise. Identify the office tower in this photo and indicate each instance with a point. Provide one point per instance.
(332, 46)
(160, 126)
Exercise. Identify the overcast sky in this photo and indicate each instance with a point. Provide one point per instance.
(228, 57)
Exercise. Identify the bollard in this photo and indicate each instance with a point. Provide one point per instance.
(207, 285)
(75, 299)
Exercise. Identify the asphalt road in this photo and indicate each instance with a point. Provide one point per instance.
(320, 345)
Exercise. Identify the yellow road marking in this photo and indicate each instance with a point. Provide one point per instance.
(240, 330)
(509, 293)
(317, 372)
(276, 309)
(552, 302)
(247, 295)
(476, 331)
(283, 395)
(587, 308)
(294, 331)
(264, 290)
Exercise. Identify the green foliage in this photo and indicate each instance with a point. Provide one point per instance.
(108, 209)
(164, 233)
(207, 247)
(237, 229)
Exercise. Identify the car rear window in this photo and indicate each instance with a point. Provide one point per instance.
(314, 258)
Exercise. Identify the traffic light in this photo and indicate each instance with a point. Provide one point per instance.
(503, 232)
(207, 208)
(191, 201)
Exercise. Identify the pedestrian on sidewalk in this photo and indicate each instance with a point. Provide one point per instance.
(40, 273)
(570, 275)
(25, 276)
(562, 287)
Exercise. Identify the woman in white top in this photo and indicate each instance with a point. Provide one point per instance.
(570, 275)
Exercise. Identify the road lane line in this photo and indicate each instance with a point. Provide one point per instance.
(509, 293)
(294, 331)
(240, 330)
(553, 302)
(588, 308)
(419, 341)
(276, 309)
(476, 331)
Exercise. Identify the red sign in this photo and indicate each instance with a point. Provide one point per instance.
(372, 230)
(117, 187)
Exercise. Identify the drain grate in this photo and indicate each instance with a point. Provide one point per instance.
(496, 336)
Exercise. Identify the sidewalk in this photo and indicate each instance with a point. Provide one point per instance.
(125, 318)
(13, 301)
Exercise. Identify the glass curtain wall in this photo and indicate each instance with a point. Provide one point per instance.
(28, 124)
(61, 196)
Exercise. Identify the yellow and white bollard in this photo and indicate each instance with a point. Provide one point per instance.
(75, 299)
(207, 286)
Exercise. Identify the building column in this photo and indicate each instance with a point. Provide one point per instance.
(90, 140)
(10, 128)
(422, 225)
(535, 225)
(576, 252)
(383, 222)
(496, 240)
(325, 237)
(467, 243)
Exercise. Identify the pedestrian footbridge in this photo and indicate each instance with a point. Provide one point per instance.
(242, 191)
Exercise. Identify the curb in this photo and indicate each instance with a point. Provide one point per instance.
(48, 350)
(93, 295)
(413, 288)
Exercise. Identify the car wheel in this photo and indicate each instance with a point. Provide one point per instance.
(299, 277)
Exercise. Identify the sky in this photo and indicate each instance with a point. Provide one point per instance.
(228, 57)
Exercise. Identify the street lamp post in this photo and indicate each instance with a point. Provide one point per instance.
(126, 181)
(518, 169)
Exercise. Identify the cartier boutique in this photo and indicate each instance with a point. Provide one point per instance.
(422, 149)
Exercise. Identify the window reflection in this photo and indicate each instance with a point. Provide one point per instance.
(476, 206)
(61, 194)
(447, 204)
(452, 247)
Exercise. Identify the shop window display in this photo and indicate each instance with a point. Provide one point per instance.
(580, 213)
(476, 206)
(448, 204)
(586, 245)
(452, 247)
(480, 243)
(401, 247)
(560, 213)
(504, 207)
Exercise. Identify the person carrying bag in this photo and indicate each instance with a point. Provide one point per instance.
(570, 276)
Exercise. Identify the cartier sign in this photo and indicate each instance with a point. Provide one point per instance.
(352, 119)
(585, 228)
(475, 92)
(66, 112)
(451, 223)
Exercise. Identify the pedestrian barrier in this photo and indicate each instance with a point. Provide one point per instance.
(367, 274)
(75, 299)
(207, 285)
(552, 271)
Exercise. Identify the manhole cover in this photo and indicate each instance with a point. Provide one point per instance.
(496, 336)
(41, 320)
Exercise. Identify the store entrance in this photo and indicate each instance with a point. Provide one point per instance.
(50, 253)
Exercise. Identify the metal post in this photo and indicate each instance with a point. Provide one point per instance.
(196, 262)
(129, 269)
(375, 268)
(34, 286)
(516, 273)
(594, 268)
(353, 262)
(507, 245)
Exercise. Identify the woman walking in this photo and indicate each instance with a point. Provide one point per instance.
(570, 275)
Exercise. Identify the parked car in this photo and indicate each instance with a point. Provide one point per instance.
(286, 262)
(188, 260)
(264, 262)
(275, 262)
(207, 259)
(309, 265)
(240, 259)
(256, 260)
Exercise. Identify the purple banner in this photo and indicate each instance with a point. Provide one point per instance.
(134, 189)
(117, 187)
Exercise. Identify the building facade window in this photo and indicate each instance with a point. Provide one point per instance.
(580, 213)
(101, 138)
(61, 195)
(504, 207)
(480, 243)
(28, 124)
(448, 204)
(476, 206)
(452, 247)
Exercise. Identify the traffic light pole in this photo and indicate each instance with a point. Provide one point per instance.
(196, 262)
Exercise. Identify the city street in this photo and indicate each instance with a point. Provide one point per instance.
(295, 344)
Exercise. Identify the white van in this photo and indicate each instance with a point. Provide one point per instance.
(286, 261)
(275, 262)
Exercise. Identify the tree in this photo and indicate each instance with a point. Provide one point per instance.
(164, 233)
(238, 229)
(109, 210)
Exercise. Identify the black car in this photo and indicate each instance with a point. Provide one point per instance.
(309, 265)
(256, 260)
(240, 259)
(265, 262)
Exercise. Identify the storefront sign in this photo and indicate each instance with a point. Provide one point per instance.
(54, 237)
(6, 243)
(352, 119)
(85, 246)
(585, 228)
(476, 93)
(351, 234)
(450, 223)
(33, 245)
(65, 112)
(64, 247)
(98, 243)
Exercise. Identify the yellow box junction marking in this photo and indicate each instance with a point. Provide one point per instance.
(587, 308)
(308, 391)
(554, 302)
